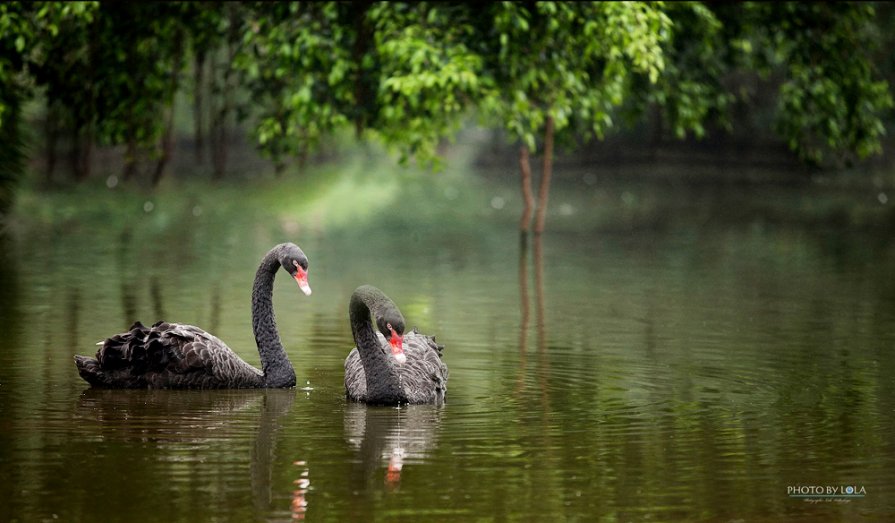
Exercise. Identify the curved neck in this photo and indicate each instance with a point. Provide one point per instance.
(275, 364)
(383, 379)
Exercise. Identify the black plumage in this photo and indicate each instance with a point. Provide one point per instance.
(179, 356)
(372, 373)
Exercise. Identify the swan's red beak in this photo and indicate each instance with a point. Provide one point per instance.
(397, 343)
(301, 276)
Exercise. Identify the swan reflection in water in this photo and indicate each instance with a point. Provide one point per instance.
(216, 424)
(299, 499)
(391, 437)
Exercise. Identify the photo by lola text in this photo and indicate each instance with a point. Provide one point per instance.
(826, 493)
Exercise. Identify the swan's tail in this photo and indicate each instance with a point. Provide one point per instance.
(90, 370)
(430, 340)
(120, 361)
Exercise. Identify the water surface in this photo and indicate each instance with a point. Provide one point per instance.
(665, 353)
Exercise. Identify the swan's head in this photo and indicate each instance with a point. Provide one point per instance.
(391, 325)
(296, 264)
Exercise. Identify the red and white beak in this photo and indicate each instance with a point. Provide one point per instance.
(397, 343)
(301, 277)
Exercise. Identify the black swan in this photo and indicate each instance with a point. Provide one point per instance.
(389, 367)
(178, 356)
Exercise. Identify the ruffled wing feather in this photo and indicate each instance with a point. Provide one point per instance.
(167, 355)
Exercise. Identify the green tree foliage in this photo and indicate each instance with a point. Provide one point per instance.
(302, 69)
(11, 156)
(697, 58)
(25, 31)
(832, 98)
(429, 74)
(568, 60)
(559, 66)
(407, 73)
(136, 79)
(402, 71)
(117, 93)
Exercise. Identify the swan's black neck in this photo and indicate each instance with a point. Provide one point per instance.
(275, 364)
(380, 369)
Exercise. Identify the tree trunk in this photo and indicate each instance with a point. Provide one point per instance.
(74, 151)
(218, 136)
(362, 42)
(544, 191)
(86, 155)
(167, 140)
(52, 131)
(198, 99)
(80, 153)
(166, 145)
(130, 157)
(528, 199)
(524, 312)
(218, 132)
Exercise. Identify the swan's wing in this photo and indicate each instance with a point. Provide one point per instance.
(167, 355)
(202, 360)
(424, 375)
(355, 379)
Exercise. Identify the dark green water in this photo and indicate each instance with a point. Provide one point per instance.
(665, 353)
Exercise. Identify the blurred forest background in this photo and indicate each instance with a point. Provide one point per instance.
(136, 86)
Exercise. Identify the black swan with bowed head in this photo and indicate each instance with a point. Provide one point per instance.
(178, 356)
(389, 367)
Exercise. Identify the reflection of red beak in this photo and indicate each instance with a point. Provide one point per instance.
(397, 343)
(395, 463)
(301, 277)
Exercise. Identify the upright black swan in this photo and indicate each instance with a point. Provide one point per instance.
(178, 356)
(389, 367)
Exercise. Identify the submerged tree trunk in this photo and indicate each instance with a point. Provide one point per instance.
(362, 43)
(166, 143)
(544, 191)
(528, 199)
(86, 156)
(218, 139)
(130, 157)
(81, 151)
(51, 128)
(218, 131)
(12, 150)
(218, 154)
(198, 99)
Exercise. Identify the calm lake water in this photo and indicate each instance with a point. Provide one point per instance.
(667, 352)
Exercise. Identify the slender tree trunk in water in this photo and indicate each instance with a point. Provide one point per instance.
(218, 136)
(218, 132)
(198, 99)
(528, 199)
(52, 131)
(279, 167)
(279, 163)
(130, 158)
(80, 154)
(302, 158)
(84, 126)
(86, 155)
(524, 312)
(167, 139)
(74, 151)
(544, 191)
(362, 42)
(166, 144)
